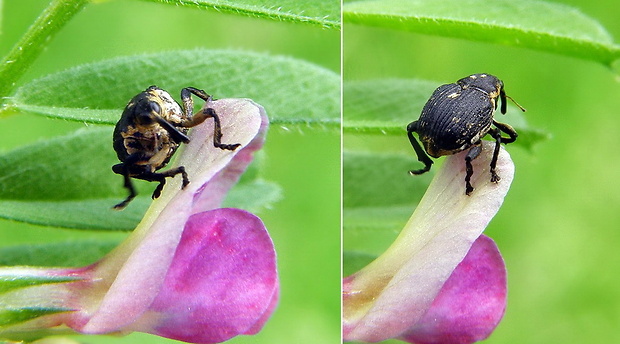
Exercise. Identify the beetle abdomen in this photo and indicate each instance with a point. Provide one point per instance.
(453, 119)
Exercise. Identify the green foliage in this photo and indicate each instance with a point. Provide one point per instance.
(97, 92)
(16, 316)
(23, 54)
(8, 283)
(373, 217)
(42, 184)
(319, 12)
(527, 23)
(354, 261)
(61, 254)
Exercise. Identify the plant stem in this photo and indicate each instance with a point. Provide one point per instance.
(25, 52)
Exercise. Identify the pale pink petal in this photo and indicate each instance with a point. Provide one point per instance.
(391, 295)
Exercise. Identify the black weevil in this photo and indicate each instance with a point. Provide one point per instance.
(456, 117)
(149, 132)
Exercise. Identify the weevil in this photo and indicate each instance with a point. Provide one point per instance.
(456, 117)
(149, 132)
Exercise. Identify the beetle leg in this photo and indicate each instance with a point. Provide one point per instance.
(508, 129)
(217, 128)
(188, 103)
(217, 131)
(497, 135)
(200, 117)
(471, 155)
(122, 170)
(419, 151)
(161, 178)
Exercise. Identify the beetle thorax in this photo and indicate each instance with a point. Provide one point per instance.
(171, 110)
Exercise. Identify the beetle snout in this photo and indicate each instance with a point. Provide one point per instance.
(412, 127)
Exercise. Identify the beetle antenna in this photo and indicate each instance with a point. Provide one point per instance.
(517, 104)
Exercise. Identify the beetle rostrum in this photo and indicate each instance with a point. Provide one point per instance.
(456, 118)
(150, 130)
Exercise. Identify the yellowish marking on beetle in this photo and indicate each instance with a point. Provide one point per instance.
(453, 95)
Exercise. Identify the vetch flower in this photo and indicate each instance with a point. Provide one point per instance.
(190, 270)
(440, 281)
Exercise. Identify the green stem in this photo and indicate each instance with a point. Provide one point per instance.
(25, 52)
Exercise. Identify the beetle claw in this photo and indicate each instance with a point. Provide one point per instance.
(468, 189)
(495, 178)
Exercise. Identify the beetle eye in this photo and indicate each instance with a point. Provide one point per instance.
(155, 107)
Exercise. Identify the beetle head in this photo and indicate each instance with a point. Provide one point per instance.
(484, 82)
(146, 111)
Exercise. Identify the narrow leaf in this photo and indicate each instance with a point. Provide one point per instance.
(71, 253)
(8, 282)
(319, 12)
(355, 261)
(15, 316)
(397, 102)
(374, 213)
(66, 182)
(530, 24)
(292, 91)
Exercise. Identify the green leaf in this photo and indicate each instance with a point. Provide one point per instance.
(68, 254)
(8, 283)
(319, 12)
(386, 106)
(68, 182)
(253, 196)
(531, 24)
(15, 316)
(23, 54)
(292, 91)
(391, 183)
(354, 261)
(375, 212)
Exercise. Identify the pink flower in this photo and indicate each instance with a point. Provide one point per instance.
(440, 281)
(190, 271)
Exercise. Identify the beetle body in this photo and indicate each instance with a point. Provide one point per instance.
(149, 132)
(456, 117)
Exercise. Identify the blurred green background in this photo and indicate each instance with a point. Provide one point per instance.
(559, 228)
(305, 162)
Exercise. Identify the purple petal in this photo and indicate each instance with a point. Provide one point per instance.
(391, 295)
(222, 281)
(470, 304)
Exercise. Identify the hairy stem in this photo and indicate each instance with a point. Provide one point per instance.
(25, 52)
